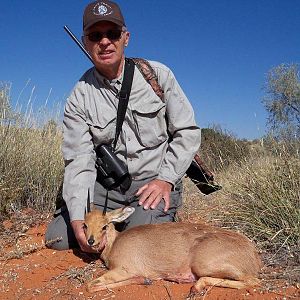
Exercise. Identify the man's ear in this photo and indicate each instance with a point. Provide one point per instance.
(127, 37)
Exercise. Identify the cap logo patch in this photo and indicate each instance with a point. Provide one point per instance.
(102, 9)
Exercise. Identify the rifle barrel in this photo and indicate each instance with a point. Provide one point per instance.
(74, 38)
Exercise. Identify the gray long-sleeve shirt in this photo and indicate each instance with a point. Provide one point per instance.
(90, 120)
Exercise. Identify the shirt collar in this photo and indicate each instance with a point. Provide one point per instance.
(114, 84)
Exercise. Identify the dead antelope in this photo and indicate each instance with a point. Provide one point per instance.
(177, 252)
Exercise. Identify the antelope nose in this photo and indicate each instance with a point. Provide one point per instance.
(91, 241)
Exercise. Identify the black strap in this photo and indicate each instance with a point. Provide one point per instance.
(124, 97)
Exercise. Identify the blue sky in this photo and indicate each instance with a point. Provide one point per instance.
(220, 51)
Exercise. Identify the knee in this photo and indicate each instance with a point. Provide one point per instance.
(56, 245)
(59, 236)
(54, 241)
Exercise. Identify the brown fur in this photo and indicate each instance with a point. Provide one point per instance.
(178, 252)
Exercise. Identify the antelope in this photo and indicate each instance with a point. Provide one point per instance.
(180, 252)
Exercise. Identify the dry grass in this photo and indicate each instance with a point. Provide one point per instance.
(31, 168)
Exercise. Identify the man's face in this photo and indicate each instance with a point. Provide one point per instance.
(107, 52)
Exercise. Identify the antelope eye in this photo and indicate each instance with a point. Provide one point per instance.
(104, 227)
(84, 226)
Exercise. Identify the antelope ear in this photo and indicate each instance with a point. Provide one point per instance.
(120, 214)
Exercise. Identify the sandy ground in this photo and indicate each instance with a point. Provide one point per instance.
(30, 271)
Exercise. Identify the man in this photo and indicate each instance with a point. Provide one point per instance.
(157, 142)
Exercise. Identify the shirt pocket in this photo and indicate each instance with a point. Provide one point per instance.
(103, 130)
(151, 124)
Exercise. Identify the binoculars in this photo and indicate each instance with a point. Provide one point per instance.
(111, 171)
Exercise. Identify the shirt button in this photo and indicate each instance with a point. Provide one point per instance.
(129, 139)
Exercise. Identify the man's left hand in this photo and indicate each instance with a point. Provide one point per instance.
(153, 192)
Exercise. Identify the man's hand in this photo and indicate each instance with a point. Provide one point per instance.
(77, 226)
(153, 192)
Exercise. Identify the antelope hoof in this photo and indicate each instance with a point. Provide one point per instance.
(195, 291)
(95, 285)
(147, 281)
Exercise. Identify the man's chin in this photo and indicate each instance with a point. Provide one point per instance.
(106, 57)
(106, 64)
(106, 60)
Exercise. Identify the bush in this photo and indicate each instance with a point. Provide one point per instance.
(219, 149)
(31, 168)
(31, 165)
(264, 199)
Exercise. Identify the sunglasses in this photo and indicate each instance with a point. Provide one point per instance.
(112, 34)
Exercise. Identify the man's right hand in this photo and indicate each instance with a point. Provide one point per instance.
(77, 226)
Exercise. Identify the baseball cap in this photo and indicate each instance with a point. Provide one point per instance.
(102, 11)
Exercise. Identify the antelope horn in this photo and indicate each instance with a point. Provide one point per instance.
(89, 204)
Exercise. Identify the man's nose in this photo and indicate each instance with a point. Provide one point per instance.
(104, 41)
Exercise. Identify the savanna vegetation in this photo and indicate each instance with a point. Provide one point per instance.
(260, 178)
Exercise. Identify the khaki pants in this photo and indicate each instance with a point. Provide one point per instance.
(60, 226)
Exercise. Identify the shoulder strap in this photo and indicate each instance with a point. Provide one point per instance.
(149, 75)
(124, 97)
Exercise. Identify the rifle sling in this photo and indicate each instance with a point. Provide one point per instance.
(124, 97)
